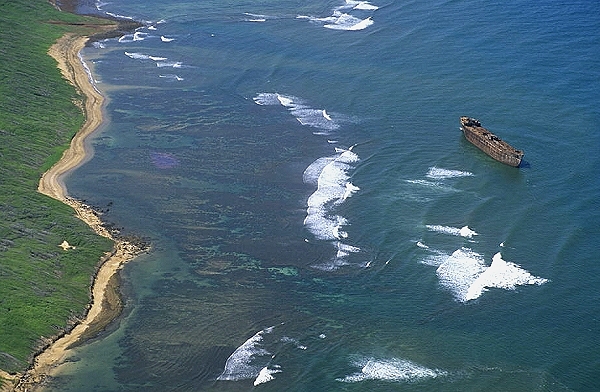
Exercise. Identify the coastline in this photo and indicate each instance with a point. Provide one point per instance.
(66, 53)
(105, 305)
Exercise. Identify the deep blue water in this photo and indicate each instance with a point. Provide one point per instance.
(319, 222)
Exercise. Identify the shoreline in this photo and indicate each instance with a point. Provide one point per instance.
(104, 306)
(66, 53)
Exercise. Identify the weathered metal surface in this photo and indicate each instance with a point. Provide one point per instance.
(490, 143)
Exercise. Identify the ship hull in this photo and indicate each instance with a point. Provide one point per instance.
(489, 143)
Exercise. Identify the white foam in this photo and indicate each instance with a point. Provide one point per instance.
(313, 171)
(393, 369)
(313, 118)
(464, 231)
(137, 56)
(306, 115)
(436, 173)
(239, 364)
(171, 76)
(331, 185)
(250, 14)
(172, 64)
(503, 275)
(269, 99)
(458, 272)
(363, 5)
(126, 38)
(117, 16)
(142, 56)
(358, 5)
(339, 260)
(265, 375)
(337, 230)
(88, 72)
(349, 23)
(325, 227)
(333, 188)
(350, 190)
(329, 174)
(139, 36)
(257, 18)
(295, 342)
(332, 265)
(285, 101)
(344, 250)
(435, 260)
(345, 20)
(422, 245)
(166, 39)
(266, 99)
(466, 275)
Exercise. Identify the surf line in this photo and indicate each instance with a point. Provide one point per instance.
(66, 51)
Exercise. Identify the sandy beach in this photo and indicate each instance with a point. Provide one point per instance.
(105, 305)
(66, 52)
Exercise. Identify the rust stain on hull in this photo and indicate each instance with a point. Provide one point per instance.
(490, 143)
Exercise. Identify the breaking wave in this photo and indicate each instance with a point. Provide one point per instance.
(171, 77)
(170, 64)
(244, 362)
(349, 17)
(436, 173)
(330, 175)
(348, 22)
(464, 231)
(319, 119)
(137, 56)
(394, 369)
(434, 179)
(333, 188)
(250, 17)
(254, 359)
(135, 37)
(466, 275)
(160, 61)
(266, 374)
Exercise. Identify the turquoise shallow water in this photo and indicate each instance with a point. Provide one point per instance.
(319, 222)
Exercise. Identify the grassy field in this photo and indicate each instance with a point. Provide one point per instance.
(42, 286)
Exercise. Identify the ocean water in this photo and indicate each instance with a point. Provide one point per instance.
(319, 222)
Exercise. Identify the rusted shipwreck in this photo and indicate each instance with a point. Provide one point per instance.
(490, 143)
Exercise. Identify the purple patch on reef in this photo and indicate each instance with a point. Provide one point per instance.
(163, 160)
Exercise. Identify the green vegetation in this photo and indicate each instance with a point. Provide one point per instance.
(42, 286)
